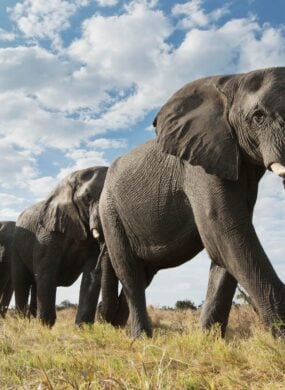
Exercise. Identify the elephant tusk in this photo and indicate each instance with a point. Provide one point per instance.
(95, 234)
(278, 169)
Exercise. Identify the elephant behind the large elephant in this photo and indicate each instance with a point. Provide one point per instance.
(54, 244)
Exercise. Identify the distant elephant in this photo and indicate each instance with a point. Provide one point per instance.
(54, 244)
(195, 186)
(7, 229)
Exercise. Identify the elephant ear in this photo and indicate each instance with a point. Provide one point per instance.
(193, 125)
(60, 212)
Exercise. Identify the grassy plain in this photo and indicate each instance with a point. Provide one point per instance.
(179, 356)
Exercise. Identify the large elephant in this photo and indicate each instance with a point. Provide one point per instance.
(7, 229)
(195, 186)
(54, 244)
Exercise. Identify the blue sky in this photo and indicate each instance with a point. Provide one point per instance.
(81, 80)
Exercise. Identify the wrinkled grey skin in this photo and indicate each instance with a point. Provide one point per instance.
(53, 245)
(195, 186)
(7, 229)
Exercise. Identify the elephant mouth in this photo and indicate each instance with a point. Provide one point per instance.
(278, 169)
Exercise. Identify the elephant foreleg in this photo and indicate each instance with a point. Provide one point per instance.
(122, 312)
(21, 283)
(46, 296)
(46, 277)
(33, 301)
(224, 222)
(220, 293)
(89, 291)
(109, 303)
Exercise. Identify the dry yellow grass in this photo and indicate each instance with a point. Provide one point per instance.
(179, 356)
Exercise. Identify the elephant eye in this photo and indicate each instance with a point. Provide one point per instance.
(258, 117)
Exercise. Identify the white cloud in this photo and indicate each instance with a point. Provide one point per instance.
(10, 205)
(44, 19)
(8, 214)
(83, 159)
(193, 15)
(107, 3)
(9, 199)
(16, 166)
(31, 69)
(42, 186)
(150, 128)
(6, 35)
(128, 53)
(104, 143)
(55, 81)
(232, 47)
(267, 51)
(26, 124)
(123, 49)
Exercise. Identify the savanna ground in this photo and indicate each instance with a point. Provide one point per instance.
(179, 356)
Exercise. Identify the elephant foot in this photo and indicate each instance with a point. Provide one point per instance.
(207, 325)
(3, 312)
(48, 321)
(140, 328)
(84, 320)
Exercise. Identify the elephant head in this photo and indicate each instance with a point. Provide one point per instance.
(213, 122)
(69, 208)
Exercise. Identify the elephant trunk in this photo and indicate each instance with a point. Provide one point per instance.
(95, 223)
(109, 289)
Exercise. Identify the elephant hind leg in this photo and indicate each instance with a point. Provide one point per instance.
(128, 268)
(220, 293)
(121, 315)
(21, 284)
(122, 312)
